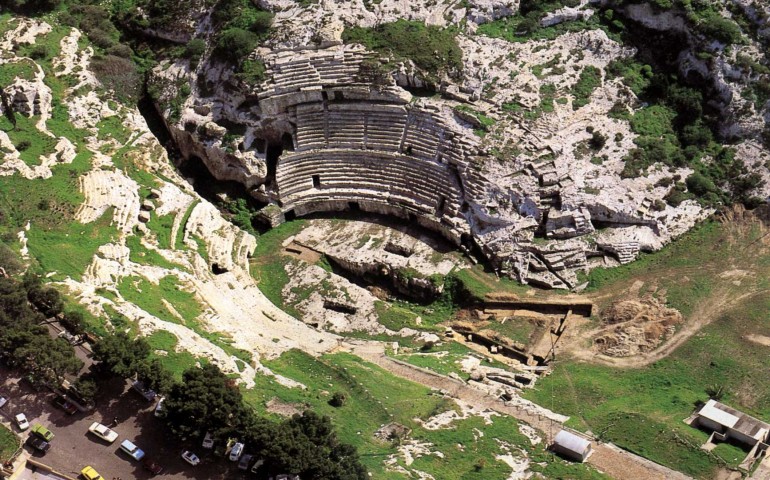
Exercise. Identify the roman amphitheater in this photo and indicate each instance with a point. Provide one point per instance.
(323, 134)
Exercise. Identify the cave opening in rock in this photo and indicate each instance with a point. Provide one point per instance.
(272, 154)
(440, 207)
(397, 249)
(217, 270)
(340, 307)
(287, 142)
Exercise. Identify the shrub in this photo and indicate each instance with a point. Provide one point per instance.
(252, 71)
(589, 79)
(120, 50)
(597, 141)
(699, 184)
(119, 75)
(38, 52)
(338, 399)
(235, 44)
(194, 50)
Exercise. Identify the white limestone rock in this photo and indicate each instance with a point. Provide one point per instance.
(484, 11)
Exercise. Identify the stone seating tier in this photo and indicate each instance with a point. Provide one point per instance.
(344, 171)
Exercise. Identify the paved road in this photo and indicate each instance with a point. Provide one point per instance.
(73, 448)
(608, 458)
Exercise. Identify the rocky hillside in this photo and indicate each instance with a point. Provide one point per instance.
(90, 196)
(553, 137)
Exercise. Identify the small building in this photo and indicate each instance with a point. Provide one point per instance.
(572, 446)
(728, 422)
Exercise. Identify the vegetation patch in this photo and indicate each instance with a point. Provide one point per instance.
(432, 49)
(642, 408)
(9, 443)
(374, 398)
(175, 362)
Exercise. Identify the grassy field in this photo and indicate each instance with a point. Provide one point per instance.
(175, 362)
(443, 358)
(267, 263)
(375, 398)
(9, 443)
(718, 275)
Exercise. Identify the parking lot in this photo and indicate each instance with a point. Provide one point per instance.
(73, 447)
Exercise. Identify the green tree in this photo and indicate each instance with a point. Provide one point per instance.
(308, 445)
(73, 322)
(47, 358)
(87, 388)
(155, 376)
(121, 354)
(205, 401)
(46, 299)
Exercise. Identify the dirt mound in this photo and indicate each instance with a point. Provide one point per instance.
(635, 326)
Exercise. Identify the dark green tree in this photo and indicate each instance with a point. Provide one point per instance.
(205, 401)
(47, 358)
(121, 354)
(46, 299)
(155, 376)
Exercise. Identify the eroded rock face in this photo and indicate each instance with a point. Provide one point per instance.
(483, 11)
(539, 195)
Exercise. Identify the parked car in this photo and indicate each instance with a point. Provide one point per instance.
(208, 440)
(22, 422)
(90, 474)
(42, 432)
(62, 403)
(38, 443)
(132, 450)
(236, 452)
(3, 401)
(159, 407)
(70, 338)
(191, 458)
(257, 464)
(152, 466)
(245, 462)
(142, 390)
(103, 432)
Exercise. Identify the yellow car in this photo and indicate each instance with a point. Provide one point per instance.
(90, 474)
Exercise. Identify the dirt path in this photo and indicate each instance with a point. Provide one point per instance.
(608, 458)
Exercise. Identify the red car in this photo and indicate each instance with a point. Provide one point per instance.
(62, 403)
(152, 466)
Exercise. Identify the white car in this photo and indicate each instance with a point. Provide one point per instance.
(191, 458)
(208, 440)
(159, 407)
(3, 400)
(236, 452)
(22, 422)
(103, 432)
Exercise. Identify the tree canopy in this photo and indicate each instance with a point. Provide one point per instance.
(208, 401)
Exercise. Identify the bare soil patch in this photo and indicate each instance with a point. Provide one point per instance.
(635, 326)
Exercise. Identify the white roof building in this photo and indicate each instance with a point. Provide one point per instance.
(570, 445)
(733, 423)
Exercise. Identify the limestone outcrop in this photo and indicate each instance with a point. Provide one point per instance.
(537, 193)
